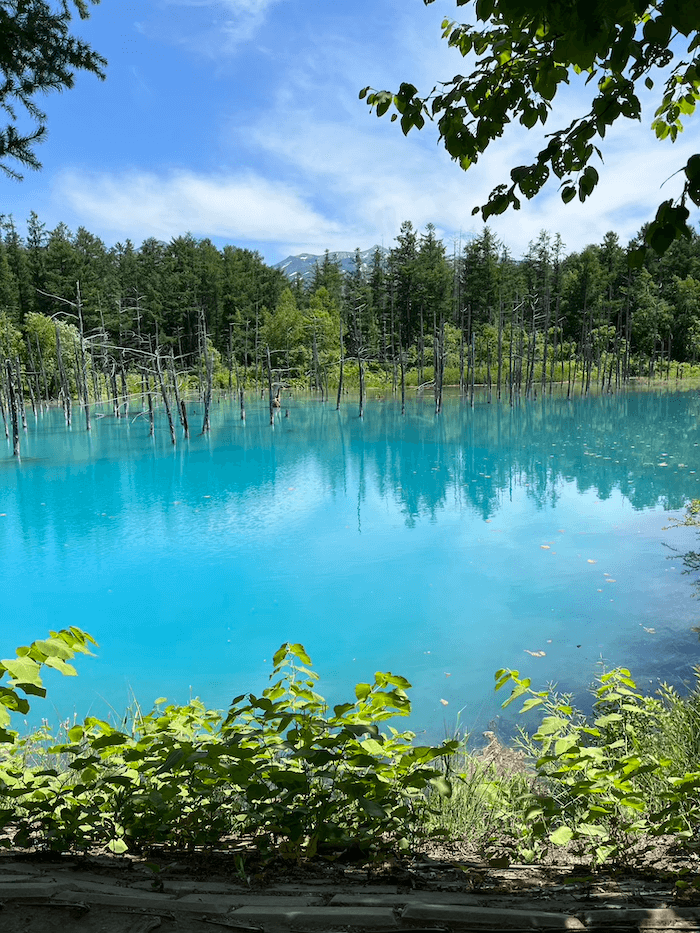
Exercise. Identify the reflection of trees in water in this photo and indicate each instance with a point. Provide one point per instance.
(477, 457)
(691, 559)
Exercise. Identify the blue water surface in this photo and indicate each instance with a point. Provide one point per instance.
(441, 548)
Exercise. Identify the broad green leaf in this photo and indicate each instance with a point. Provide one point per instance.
(54, 648)
(32, 690)
(117, 846)
(280, 654)
(531, 703)
(561, 836)
(372, 808)
(592, 829)
(362, 691)
(298, 651)
(60, 665)
(23, 670)
(105, 741)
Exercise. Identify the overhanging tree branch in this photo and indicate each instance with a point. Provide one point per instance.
(523, 52)
(37, 55)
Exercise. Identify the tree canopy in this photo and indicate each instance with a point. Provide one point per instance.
(38, 54)
(521, 54)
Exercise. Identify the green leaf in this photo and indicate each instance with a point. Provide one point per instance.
(23, 670)
(372, 808)
(692, 168)
(531, 703)
(362, 691)
(299, 652)
(280, 654)
(54, 648)
(115, 738)
(561, 836)
(117, 846)
(32, 690)
(484, 9)
(60, 665)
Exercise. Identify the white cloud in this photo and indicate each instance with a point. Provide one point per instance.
(211, 27)
(241, 208)
(323, 172)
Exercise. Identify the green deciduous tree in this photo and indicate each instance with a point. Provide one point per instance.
(37, 55)
(522, 53)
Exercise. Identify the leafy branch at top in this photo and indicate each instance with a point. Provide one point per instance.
(522, 56)
(37, 54)
(24, 671)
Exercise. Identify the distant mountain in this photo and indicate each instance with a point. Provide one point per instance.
(305, 263)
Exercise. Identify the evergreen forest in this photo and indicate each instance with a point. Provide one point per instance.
(80, 319)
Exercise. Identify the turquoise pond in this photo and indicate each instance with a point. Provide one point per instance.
(437, 548)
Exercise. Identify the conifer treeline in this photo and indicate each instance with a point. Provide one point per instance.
(468, 313)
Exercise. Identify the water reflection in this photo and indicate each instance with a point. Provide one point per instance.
(529, 536)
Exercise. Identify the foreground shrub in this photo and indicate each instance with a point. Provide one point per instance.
(280, 768)
(613, 784)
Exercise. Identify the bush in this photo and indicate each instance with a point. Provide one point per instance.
(281, 768)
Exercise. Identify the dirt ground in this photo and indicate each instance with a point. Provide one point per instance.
(446, 889)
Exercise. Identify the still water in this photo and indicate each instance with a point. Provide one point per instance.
(438, 548)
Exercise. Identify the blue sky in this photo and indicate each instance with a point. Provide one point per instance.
(240, 120)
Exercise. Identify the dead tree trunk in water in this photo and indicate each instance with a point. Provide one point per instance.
(125, 387)
(13, 410)
(179, 403)
(472, 366)
(269, 388)
(209, 367)
(342, 366)
(82, 372)
(361, 366)
(31, 376)
(4, 416)
(42, 367)
(20, 394)
(164, 393)
(439, 366)
(65, 388)
(151, 420)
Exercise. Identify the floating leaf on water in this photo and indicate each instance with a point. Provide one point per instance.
(545, 547)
